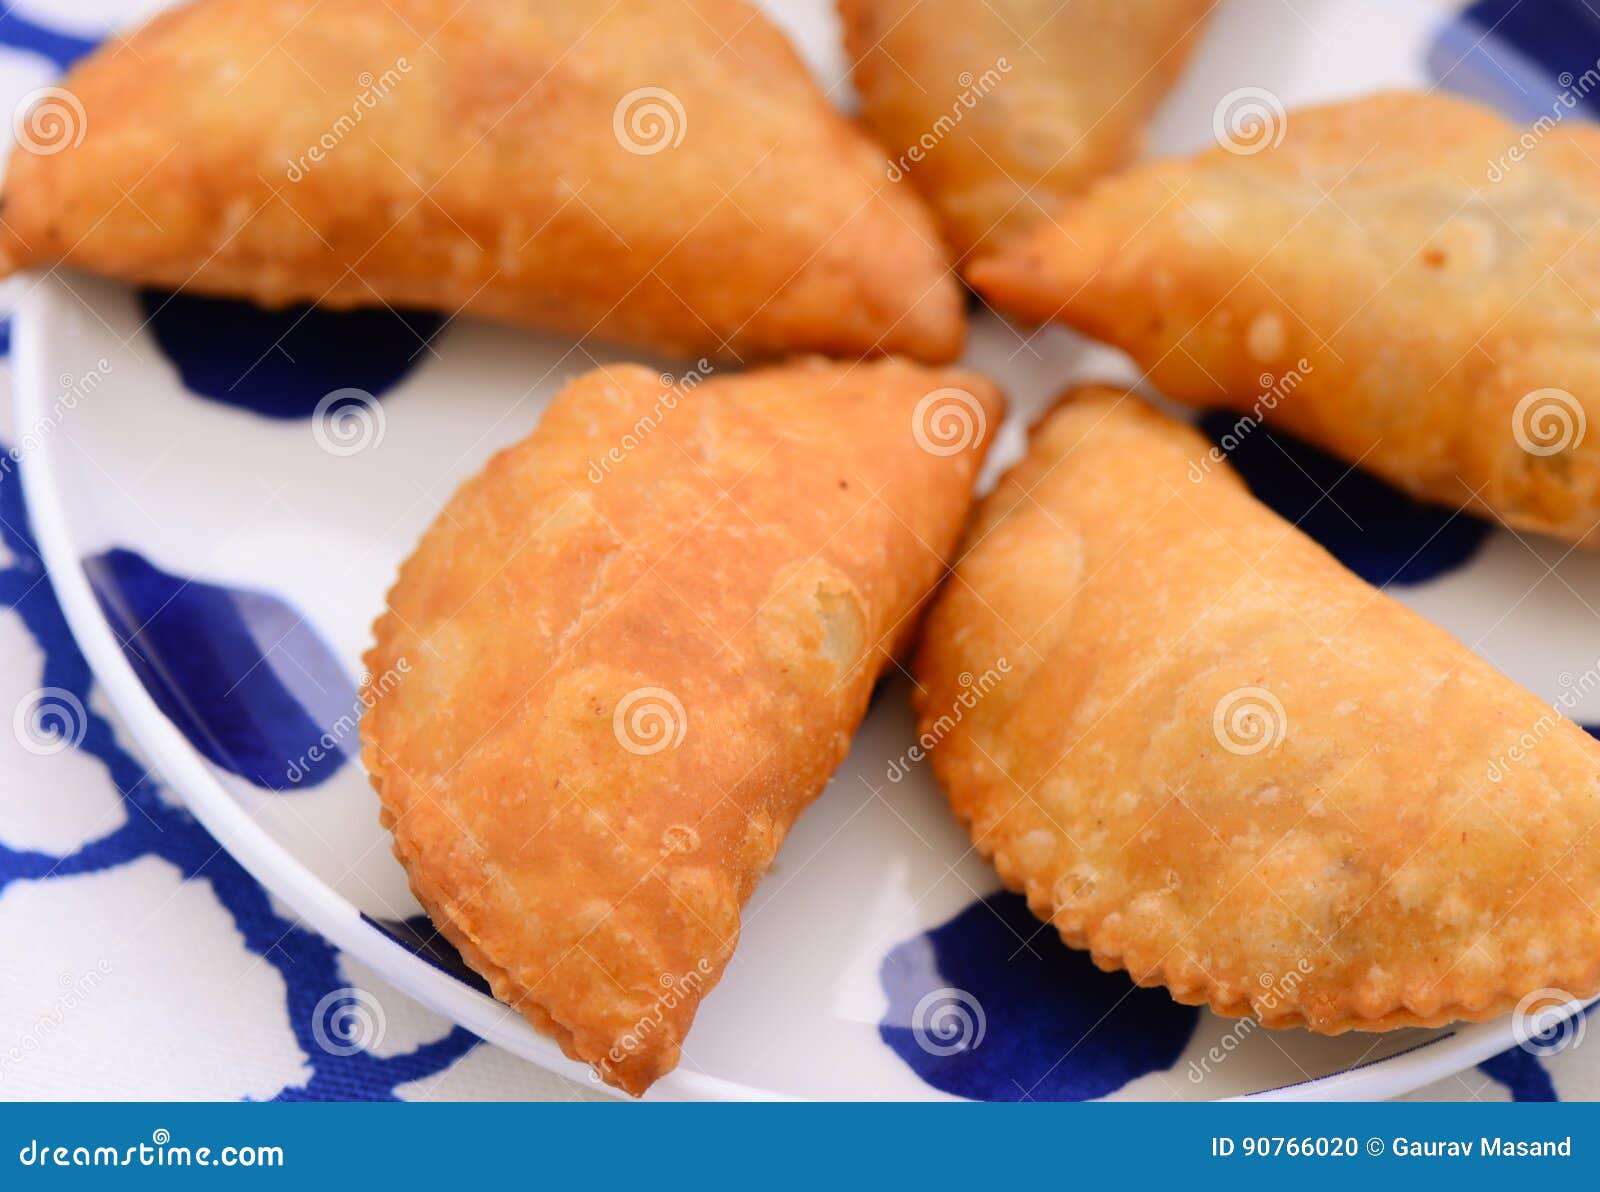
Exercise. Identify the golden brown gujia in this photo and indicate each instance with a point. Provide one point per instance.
(665, 174)
(997, 111)
(1430, 299)
(1221, 761)
(636, 646)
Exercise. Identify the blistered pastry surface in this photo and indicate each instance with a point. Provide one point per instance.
(634, 648)
(659, 173)
(1378, 277)
(998, 111)
(1216, 758)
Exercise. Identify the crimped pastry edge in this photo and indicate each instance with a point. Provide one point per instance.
(502, 983)
(1199, 993)
(1580, 982)
(507, 988)
(637, 1072)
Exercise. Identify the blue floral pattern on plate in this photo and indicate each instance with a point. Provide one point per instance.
(242, 674)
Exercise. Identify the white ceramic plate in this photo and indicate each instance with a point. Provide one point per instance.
(220, 568)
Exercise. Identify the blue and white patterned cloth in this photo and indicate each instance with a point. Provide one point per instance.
(138, 960)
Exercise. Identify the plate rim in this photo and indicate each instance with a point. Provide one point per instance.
(202, 793)
(285, 877)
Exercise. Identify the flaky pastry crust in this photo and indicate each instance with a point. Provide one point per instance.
(632, 650)
(1386, 282)
(997, 111)
(664, 174)
(1220, 761)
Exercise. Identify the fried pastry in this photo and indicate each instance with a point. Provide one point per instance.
(660, 174)
(637, 645)
(1220, 761)
(1378, 283)
(998, 111)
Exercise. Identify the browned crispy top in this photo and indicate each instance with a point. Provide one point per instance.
(634, 648)
(1223, 762)
(662, 172)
